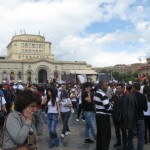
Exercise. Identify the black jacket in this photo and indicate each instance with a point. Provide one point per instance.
(134, 105)
(117, 112)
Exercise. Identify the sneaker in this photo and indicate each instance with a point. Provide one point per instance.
(57, 142)
(77, 119)
(89, 141)
(83, 120)
(117, 144)
(51, 144)
(67, 133)
(62, 136)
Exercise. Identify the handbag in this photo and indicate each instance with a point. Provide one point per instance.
(31, 143)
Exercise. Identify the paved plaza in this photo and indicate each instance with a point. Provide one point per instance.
(75, 141)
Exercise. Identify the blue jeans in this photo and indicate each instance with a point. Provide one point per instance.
(52, 120)
(89, 124)
(140, 136)
(65, 117)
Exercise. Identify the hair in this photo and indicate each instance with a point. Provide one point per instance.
(101, 83)
(85, 85)
(136, 85)
(120, 84)
(63, 94)
(24, 99)
(146, 91)
(53, 96)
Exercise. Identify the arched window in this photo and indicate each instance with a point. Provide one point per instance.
(19, 76)
(29, 76)
(4, 76)
(12, 76)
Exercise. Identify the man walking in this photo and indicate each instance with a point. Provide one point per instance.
(88, 109)
(135, 104)
(103, 112)
(117, 116)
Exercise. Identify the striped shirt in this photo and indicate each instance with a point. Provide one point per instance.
(102, 103)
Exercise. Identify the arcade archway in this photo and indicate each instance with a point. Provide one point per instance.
(42, 76)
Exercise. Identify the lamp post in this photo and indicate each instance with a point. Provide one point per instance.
(75, 78)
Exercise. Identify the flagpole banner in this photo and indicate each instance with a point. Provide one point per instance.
(82, 78)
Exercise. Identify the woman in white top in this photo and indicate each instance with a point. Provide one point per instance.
(53, 115)
(66, 105)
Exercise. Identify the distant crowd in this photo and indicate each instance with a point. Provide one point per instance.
(24, 108)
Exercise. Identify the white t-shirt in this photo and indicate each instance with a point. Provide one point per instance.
(147, 113)
(63, 103)
(73, 99)
(3, 102)
(52, 109)
(80, 98)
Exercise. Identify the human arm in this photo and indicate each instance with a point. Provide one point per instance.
(58, 109)
(17, 128)
(88, 97)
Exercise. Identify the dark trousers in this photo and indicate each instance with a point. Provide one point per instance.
(65, 118)
(120, 126)
(103, 132)
(147, 128)
(79, 112)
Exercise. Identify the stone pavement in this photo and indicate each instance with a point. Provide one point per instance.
(75, 141)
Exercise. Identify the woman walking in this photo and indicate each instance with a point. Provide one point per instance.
(53, 115)
(66, 105)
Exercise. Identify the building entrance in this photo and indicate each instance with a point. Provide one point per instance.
(42, 76)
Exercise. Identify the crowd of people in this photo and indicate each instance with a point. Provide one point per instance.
(27, 106)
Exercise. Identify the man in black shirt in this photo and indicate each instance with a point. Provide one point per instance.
(88, 109)
(134, 105)
(117, 116)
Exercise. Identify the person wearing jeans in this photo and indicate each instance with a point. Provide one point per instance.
(134, 105)
(89, 124)
(140, 136)
(88, 109)
(66, 105)
(53, 115)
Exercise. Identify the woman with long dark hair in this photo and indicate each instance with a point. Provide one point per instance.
(66, 105)
(53, 115)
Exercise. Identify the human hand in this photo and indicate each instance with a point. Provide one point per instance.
(28, 114)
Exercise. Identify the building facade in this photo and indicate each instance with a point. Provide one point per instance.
(30, 60)
(144, 70)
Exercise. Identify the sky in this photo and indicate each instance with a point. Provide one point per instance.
(100, 32)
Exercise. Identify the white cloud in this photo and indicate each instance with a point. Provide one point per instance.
(64, 21)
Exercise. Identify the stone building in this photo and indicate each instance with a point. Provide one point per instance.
(121, 68)
(30, 59)
(144, 70)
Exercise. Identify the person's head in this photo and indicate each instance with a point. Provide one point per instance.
(136, 86)
(119, 88)
(87, 87)
(26, 99)
(63, 87)
(73, 91)
(51, 95)
(35, 88)
(103, 85)
(63, 94)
